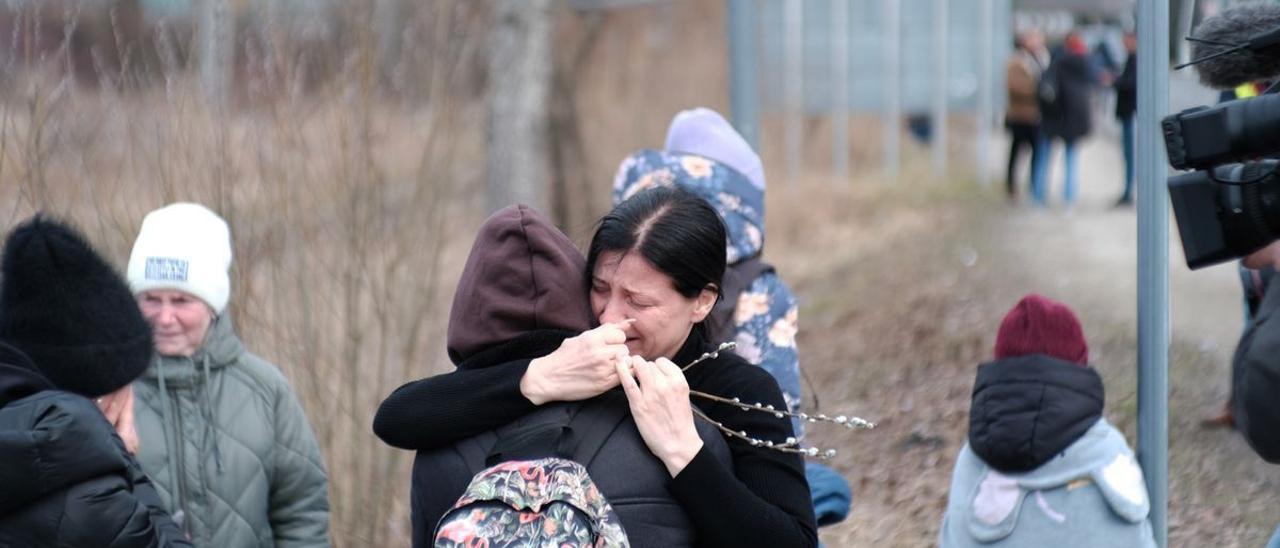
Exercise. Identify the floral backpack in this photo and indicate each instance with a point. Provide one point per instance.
(535, 492)
(545, 502)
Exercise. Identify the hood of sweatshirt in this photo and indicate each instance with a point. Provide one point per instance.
(522, 275)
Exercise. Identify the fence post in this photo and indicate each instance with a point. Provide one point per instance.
(986, 88)
(793, 70)
(890, 102)
(744, 93)
(840, 89)
(939, 94)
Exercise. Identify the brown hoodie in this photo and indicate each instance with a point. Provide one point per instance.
(523, 275)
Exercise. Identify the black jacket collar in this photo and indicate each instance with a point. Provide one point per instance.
(693, 347)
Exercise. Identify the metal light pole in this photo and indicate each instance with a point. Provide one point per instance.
(1153, 260)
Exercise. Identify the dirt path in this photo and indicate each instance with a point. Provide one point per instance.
(1088, 258)
(901, 296)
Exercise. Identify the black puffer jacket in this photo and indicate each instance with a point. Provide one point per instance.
(65, 477)
(1027, 409)
(1068, 116)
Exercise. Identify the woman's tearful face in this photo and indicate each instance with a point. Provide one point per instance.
(626, 286)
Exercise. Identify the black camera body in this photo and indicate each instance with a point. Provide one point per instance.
(1225, 210)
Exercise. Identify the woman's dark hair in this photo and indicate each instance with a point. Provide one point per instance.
(677, 231)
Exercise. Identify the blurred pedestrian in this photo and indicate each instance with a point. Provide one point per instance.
(70, 333)
(1126, 87)
(1042, 467)
(221, 430)
(1065, 94)
(1022, 118)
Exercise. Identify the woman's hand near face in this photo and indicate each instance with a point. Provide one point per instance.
(660, 405)
(583, 366)
(117, 407)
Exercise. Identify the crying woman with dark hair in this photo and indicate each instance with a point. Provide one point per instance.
(652, 275)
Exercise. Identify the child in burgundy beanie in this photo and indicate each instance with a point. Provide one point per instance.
(1040, 325)
(1042, 467)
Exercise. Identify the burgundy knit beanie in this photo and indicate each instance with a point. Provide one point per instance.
(1039, 325)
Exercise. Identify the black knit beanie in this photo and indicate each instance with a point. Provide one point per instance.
(67, 309)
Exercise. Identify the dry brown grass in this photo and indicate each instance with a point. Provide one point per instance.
(349, 203)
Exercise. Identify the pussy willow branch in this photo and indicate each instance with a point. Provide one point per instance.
(711, 355)
(847, 422)
(791, 445)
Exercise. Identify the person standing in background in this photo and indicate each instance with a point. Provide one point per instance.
(1065, 92)
(1022, 119)
(1126, 87)
(221, 430)
(1042, 466)
(72, 343)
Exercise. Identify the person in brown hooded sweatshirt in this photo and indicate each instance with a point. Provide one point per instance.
(759, 497)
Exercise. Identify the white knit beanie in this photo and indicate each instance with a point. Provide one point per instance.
(185, 247)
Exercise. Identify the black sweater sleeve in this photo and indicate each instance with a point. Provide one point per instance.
(437, 411)
(764, 500)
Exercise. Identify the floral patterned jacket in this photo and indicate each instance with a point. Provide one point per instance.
(766, 313)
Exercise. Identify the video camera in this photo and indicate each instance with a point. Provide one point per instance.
(1229, 206)
(1225, 210)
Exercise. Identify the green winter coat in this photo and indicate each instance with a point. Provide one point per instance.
(249, 472)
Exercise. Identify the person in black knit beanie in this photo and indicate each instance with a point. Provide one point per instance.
(70, 332)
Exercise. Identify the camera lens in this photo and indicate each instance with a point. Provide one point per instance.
(1248, 205)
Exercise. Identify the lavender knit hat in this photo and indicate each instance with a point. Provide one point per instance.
(706, 133)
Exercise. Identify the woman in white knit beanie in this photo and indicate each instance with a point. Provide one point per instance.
(221, 431)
